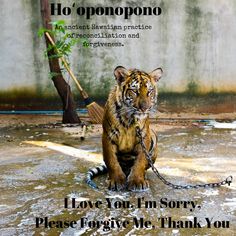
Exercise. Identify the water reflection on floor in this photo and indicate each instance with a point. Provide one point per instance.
(34, 182)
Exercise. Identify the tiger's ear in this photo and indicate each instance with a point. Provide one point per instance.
(120, 73)
(156, 74)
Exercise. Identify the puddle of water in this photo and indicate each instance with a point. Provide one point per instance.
(221, 125)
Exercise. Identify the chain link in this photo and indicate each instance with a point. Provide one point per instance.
(228, 180)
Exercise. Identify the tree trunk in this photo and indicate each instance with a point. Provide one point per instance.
(63, 89)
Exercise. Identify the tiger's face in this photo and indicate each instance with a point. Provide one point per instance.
(137, 90)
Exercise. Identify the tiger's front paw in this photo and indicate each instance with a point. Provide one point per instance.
(137, 184)
(117, 182)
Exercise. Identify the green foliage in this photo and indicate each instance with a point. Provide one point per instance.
(63, 41)
(53, 74)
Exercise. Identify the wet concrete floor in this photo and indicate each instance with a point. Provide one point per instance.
(34, 181)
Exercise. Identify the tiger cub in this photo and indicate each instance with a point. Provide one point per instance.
(129, 105)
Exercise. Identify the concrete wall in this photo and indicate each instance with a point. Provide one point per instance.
(21, 51)
(192, 40)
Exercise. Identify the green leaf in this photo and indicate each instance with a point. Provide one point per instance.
(41, 32)
(58, 22)
(55, 56)
(53, 74)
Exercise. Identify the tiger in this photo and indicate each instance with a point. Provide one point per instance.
(128, 106)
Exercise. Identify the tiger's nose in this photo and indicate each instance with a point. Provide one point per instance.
(143, 106)
(143, 109)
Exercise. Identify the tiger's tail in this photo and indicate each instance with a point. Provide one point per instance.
(93, 172)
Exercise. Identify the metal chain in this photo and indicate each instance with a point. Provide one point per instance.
(228, 180)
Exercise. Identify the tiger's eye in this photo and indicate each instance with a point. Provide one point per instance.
(151, 93)
(131, 93)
